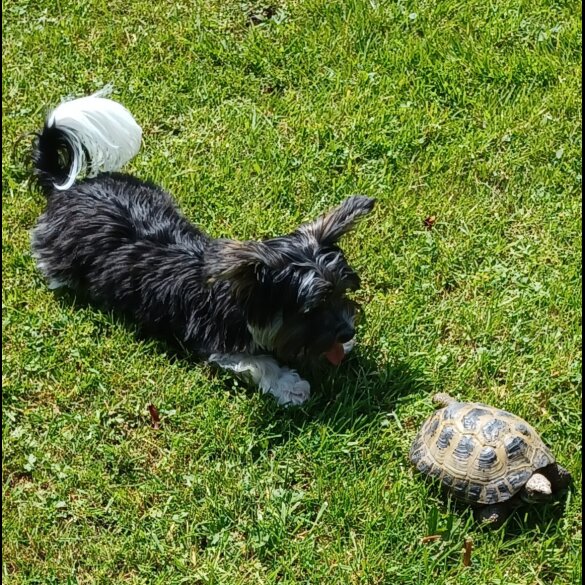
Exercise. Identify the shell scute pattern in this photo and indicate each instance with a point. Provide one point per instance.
(504, 490)
(432, 427)
(474, 492)
(445, 437)
(493, 429)
(523, 429)
(472, 418)
(542, 458)
(517, 450)
(483, 455)
(450, 412)
(490, 495)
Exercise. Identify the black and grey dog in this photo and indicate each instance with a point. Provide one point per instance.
(248, 306)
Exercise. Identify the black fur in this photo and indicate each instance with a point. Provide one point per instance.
(124, 242)
(51, 157)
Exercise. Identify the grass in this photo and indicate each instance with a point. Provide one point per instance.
(256, 117)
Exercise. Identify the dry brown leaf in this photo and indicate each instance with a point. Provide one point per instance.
(430, 221)
(430, 538)
(154, 416)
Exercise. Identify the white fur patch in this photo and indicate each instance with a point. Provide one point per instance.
(348, 346)
(264, 336)
(54, 284)
(283, 383)
(102, 133)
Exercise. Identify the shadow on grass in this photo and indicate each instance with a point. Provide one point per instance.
(360, 391)
(529, 518)
(362, 386)
(522, 519)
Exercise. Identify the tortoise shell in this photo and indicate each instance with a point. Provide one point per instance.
(481, 454)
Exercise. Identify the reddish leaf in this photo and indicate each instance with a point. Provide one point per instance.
(154, 416)
(430, 221)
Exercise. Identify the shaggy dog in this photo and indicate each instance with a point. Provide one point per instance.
(248, 306)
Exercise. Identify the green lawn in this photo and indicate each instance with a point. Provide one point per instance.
(258, 116)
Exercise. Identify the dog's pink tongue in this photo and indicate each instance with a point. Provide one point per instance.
(336, 354)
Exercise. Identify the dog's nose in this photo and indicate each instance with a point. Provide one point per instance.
(346, 334)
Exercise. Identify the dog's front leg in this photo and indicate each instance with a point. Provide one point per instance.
(283, 383)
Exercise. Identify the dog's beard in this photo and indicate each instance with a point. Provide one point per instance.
(294, 341)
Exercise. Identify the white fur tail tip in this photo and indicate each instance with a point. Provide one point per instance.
(102, 134)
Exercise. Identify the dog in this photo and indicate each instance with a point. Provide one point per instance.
(253, 307)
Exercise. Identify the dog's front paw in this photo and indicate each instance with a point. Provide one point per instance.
(290, 389)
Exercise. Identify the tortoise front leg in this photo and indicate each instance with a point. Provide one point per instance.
(493, 515)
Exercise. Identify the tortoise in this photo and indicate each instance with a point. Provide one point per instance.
(486, 457)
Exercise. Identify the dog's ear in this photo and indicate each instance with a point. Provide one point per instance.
(331, 226)
(240, 262)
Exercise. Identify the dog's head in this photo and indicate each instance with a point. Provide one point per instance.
(293, 288)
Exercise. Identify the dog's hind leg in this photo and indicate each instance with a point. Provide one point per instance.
(283, 383)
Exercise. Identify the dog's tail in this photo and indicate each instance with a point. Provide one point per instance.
(92, 134)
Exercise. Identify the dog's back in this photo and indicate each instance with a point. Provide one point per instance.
(111, 235)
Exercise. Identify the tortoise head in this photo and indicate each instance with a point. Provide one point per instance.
(543, 484)
(537, 489)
